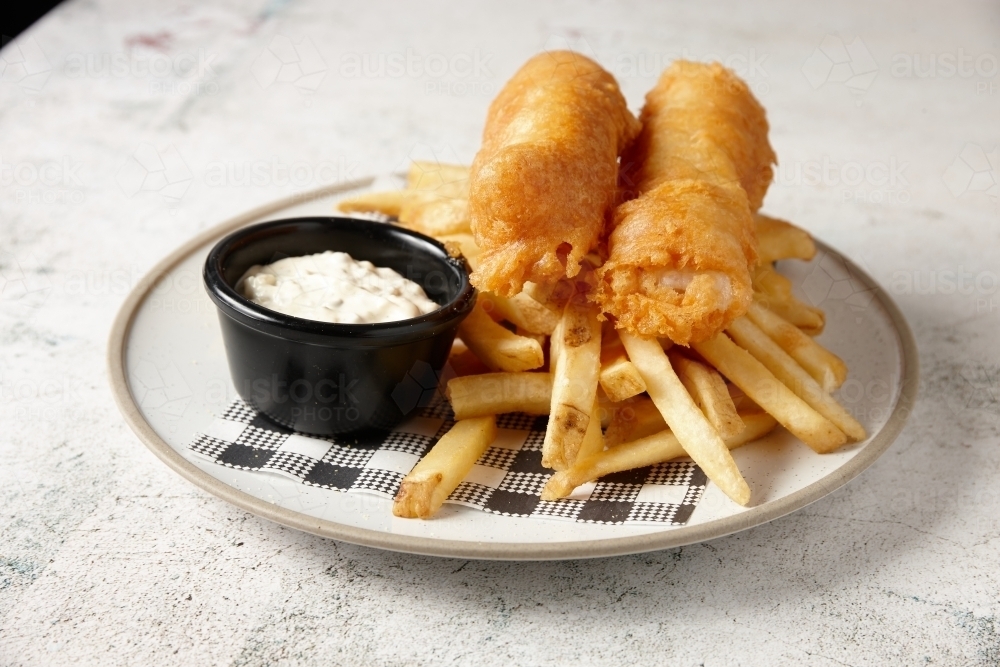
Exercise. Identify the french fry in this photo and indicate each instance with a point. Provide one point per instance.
(621, 380)
(749, 336)
(540, 292)
(824, 366)
(431, 214)
(556, 348)
(619, 377)
(767, 391)
(635, 419)
(605, 407)
(554, 295)
(541, 338)
(649, 450)
(771, 283)
(466, 245)
(425, 488)
(777, 239)
(709, 392)
(447, 180)
(775, 291)
(530, 314)
(593, 439)
(497, 393)
(499, 348)
(466, 363)
(575, 361)
(524, 311)
(463, 361)
(688, 423)
(741, 400)
(802, 316)
(434, 202)
(436, 199)
(387, 203)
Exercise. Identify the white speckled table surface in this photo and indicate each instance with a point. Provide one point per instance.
(885, 121)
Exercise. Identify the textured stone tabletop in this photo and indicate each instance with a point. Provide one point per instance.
(127, 128)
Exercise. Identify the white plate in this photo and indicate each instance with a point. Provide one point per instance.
(170, 378)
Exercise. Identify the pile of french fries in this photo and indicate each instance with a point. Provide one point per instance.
(616, 401)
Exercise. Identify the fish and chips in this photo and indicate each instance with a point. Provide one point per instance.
(627, 282)
(547, 171)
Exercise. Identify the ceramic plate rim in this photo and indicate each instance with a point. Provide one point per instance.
(615, 546)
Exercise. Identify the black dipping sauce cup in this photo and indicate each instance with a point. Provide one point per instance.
(322, 378)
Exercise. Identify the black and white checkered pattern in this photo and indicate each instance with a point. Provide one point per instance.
(517, 421)
(411, 443)
(694, 493)
(208, 446)
(239, 411)
(296, 465)
(613, 491)
(672, 472)
(560, 509)
(528, 483)
(255, 436)
(352, 457)
(652, 512)
(383, 481)
(507, 479)
(536, 436)
(470, 493)
(496, 457)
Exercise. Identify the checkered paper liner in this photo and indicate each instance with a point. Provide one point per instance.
(506, 480)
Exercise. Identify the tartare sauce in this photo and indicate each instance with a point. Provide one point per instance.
(333, 287)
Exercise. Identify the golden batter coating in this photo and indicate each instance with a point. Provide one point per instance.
(701, 122)
(545, 177)
(680, 254)
(678, 266)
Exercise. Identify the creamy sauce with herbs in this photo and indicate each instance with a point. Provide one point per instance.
(333, 287)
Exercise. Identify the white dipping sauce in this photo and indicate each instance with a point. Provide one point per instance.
(333, 287)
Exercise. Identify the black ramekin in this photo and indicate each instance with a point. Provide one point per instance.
(322, 378)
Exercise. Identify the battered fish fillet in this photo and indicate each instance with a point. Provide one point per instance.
(681, 252)
(545, 178)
